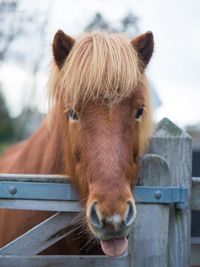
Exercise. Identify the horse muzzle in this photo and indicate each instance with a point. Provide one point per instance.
(112, 230)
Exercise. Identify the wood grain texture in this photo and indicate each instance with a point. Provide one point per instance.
(41, 236)
(175, 145)
(148, 242)
(53, 205)
(40, 178)
(63, 261)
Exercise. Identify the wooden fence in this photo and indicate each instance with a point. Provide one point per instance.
(165, 195)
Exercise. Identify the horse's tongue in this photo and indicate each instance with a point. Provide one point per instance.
(114, 247)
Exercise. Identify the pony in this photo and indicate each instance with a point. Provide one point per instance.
(98, 127)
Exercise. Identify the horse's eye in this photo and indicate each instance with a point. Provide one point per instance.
(139, 112)
(73, 115)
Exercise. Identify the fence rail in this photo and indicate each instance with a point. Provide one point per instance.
(63, 261)
(25, 187)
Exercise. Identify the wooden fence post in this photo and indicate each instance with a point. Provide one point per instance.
(148, 241)
(175, 145)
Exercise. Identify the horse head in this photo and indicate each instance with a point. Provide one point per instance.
(99, 82)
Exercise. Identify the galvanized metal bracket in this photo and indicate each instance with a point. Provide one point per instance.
(163, 195)
(67, 192)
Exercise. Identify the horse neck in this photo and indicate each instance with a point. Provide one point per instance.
(54, 157)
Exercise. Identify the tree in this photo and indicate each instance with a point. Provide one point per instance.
(23, 41)
(128, 24)
(6, 123)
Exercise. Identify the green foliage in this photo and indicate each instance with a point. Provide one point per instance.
(6, 123)
(4, 147)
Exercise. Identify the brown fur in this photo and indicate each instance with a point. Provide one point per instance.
(101, 78)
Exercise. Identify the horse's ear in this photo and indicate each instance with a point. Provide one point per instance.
(62, 44)
(144, 45)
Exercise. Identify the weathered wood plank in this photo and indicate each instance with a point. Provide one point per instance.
(195, 197)
(67, 192)
(143, 194)
(41, 236)
(175, 146)
(63, 261)
(67, 206)
(148, 242)
(40, 178)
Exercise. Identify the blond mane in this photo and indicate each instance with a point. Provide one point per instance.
(100, 66)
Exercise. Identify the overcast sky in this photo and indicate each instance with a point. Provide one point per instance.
(175, 66)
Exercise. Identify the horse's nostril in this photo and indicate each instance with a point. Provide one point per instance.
(131, 213)
(94, 216)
